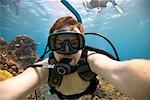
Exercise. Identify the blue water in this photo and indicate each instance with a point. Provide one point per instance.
(129, 31)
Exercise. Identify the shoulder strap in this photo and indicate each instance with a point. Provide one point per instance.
(89, 48)
(90, 90)
(54, 79)
(84, 70)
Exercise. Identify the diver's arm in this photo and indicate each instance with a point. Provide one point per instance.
(20, 86)
(132, 77)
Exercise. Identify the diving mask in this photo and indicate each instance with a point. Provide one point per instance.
(66, 42)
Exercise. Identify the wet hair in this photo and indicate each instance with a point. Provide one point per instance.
(67, 21)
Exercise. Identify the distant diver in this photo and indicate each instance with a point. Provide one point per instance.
(16, 3)
(100, 4)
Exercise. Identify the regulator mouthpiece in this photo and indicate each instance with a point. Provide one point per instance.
(63, 67)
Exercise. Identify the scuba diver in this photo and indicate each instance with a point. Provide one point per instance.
(100, 4)
(71, 68)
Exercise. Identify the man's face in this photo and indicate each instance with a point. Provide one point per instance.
(73, 41)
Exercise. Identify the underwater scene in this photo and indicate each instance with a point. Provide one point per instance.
(25, 25)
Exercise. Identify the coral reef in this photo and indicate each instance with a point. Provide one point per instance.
(106, 91)
(15, 56)
(4, 74)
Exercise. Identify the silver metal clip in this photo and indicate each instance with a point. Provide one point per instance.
(48, 66)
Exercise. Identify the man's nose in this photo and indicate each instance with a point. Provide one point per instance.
(66, 48)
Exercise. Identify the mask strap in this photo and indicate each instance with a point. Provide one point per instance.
(43, 55)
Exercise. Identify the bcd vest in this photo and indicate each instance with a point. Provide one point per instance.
(84, 72)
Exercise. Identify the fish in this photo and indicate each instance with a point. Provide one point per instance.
(100, 4)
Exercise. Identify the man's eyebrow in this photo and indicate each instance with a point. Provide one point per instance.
(58, 40)
(74, 39)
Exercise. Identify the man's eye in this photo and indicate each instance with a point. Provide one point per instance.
(58, 41)
(58, 44)
(74, 41)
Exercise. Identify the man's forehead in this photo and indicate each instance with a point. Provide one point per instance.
(64, 36)
(71, 28)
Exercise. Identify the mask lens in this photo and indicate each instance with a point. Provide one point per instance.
(71, 41)
(75, 43)
(58, 44)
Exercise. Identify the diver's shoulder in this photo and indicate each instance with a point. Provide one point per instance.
(45, 61)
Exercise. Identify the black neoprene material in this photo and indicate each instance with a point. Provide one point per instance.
(90, 90)
(100, 51)
(93, 82)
